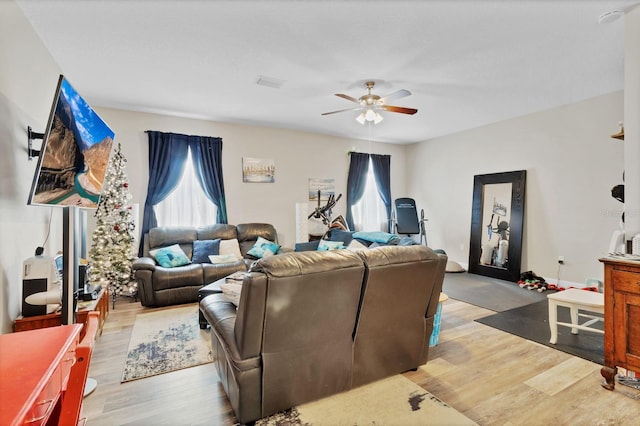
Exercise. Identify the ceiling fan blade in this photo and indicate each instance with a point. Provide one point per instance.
(402, 110)
(343, 110)
(402, 93)
(347, 97)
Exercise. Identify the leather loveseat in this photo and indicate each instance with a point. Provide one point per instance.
(160, 286)
(312, 324)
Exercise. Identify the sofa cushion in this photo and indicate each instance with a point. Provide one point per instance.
(325, 245)
(202, 249)
(223, 258)
(263, 248)
(170, 257)
(219, 230)
(230, 247)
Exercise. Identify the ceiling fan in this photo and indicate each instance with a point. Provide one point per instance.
(370, 104)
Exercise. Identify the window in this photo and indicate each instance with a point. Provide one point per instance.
(369, 214)
(187, 205)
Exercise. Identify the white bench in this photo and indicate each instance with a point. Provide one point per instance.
(576, 300)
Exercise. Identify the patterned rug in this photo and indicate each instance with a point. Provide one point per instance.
(392, 401)
(165, 341)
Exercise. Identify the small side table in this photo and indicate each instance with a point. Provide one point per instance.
(576, 300)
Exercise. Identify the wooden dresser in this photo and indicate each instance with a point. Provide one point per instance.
(621, 318)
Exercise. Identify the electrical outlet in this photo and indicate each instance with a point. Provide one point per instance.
(561, 260)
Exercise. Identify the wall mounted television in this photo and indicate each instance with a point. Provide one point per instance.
(75, 153)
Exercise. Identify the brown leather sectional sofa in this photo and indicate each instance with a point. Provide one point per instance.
(313, 324)
(159, 286)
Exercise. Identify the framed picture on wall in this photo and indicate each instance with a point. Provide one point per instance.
(258, 170)
(326, 187)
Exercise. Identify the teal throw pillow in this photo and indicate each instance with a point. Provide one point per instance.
(170, 257)
(263, 248)
(330, 245)
(202, 249)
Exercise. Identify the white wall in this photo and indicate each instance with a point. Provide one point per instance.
(28, 77)
(298, 156)
(632, 121)
(571, 165)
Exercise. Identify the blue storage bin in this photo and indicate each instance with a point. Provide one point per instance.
(435, 335)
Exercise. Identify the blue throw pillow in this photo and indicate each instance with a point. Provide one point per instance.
(263, 248)
(330, 245)
(170, 257)
(202, 249)
(310, 246)
(340, 235)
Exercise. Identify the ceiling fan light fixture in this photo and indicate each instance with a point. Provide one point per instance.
(370, 104)
(369, 115)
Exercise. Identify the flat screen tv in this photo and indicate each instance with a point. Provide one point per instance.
(75, 153)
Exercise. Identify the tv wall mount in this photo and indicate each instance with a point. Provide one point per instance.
(31, 135)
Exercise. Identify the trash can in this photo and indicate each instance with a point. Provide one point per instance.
(435, 335)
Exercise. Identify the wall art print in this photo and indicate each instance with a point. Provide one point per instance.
(258, 170)
(327, 187)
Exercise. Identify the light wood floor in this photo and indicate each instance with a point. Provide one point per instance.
(492, 377)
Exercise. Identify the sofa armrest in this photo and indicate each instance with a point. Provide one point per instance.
(221, 315)
(144, 263)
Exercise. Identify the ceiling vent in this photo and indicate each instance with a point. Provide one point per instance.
(274, 83)
(609, 17)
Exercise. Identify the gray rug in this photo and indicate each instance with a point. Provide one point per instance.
(489, 293)
(532, 323)
(166, 340)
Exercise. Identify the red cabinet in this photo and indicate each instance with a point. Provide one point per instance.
(35, 367)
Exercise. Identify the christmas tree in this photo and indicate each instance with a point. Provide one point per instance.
(111, 253)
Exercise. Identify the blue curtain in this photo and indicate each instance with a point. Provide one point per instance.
(382, 172)
(356, 182)
(207, 161)
(167, 155)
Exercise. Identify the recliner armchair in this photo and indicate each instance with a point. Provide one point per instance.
(312, 324)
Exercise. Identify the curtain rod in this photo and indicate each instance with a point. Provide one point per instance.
(356, 152)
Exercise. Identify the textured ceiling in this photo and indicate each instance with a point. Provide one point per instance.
(467, 63)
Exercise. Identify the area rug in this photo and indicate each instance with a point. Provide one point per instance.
(165, 341)
(392, 401)
(487, 292)
(532, 323)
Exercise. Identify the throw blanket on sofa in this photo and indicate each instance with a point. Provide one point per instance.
(376, 237)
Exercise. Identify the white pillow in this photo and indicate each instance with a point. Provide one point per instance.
(356, 245)
(222, 258)
(231, 291)
(230, 247)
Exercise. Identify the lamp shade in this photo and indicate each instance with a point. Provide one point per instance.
(369, 115)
